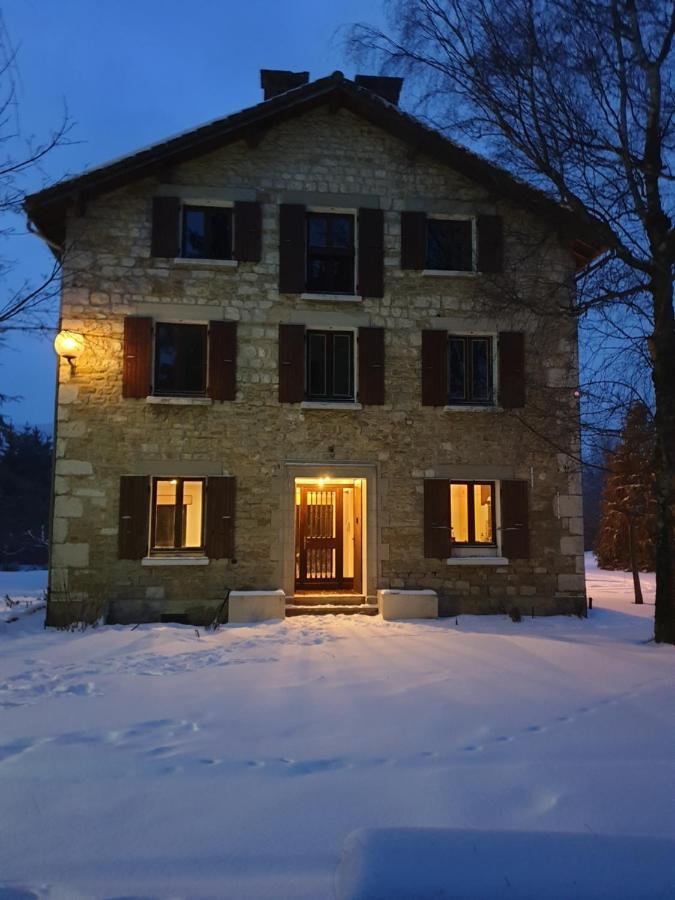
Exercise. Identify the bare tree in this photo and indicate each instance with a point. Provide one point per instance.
(578, 99)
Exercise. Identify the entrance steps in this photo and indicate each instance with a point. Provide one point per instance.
(329, 605)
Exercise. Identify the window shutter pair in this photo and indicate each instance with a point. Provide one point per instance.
(514, 519)
(293, 258)
(511, 353)
(137, 358)
(292, 365)
(166, 229)
(414, 242)
(134, 517)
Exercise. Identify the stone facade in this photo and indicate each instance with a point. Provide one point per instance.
(109, 274)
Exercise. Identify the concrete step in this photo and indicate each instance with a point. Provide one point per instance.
(328, 599)
(331, 609)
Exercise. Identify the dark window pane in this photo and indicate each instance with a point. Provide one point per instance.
(330, 253)
(221, 236)
(342, 366)
(457, 369)
(325, 273)
(317, 232)
(180, 358)
(194, 233)
(449, 245)
(480, 369)
(165, 514)
(342, 232)
(316, 364)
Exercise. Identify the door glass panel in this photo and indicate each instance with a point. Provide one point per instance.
(192, 513)
(482, 508)
(459, 512)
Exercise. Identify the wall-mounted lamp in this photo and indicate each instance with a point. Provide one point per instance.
(69, 345)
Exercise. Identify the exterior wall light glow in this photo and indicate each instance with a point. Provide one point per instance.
(69, 345)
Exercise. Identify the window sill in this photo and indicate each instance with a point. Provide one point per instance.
(448, 273)
(477, 561)
(468, 408)
(208, 263)
(179, 401)
(333, 298)
(175, 561)
(320, 404)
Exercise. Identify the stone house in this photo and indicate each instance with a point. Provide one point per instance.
(323, 351)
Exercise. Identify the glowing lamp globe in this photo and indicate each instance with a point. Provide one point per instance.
(69, 344)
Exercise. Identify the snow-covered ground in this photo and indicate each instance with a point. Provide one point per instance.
(162, 762)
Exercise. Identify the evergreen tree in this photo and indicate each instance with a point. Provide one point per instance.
(627, 533)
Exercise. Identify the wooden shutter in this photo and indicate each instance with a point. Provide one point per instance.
(137, 350)
(371, 253)
(291, 363)
(515, 520)
(413, 240)
(371, 366)
(434, 368)
(165, 227)
(511, 369)
(436, 518)
(292, 239)
(490, 244)
(222, 360)
(134, 516)
(247, 231)
(220, 512)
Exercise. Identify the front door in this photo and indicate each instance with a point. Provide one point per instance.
(320, 538)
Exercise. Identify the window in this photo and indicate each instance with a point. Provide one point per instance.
(472, 512)
(207, 232)
(180, 359)
(330, 253)
(330, 365)
(469, 370)
(178, 514)
(450, 245)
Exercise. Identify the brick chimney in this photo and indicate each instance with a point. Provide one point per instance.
(387, 88)
(278, 81)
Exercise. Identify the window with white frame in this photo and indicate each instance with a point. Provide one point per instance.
(470, 370)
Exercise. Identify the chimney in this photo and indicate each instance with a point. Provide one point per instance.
(385, 87)
(278, 81)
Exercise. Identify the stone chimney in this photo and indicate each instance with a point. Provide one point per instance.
(278, 81)
(387, 88)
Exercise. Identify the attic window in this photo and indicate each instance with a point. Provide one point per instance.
(206, 232)
(450, 245)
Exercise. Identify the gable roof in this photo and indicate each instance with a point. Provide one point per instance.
(47, 209)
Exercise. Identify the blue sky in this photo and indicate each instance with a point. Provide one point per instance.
(131, 73)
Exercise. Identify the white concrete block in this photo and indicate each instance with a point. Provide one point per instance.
(256, 606)
(399, 604)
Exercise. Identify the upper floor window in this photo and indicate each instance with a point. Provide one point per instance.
(450, 245)
(178, 514)
(330, 365)
(330, 253)
(472, 512)
(180, 359)
(470, 367)
(206, 232)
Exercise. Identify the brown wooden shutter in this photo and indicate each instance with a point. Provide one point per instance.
(436, 518)
(371, 253)
(490, 244)
(371, 366)
(137, 350)
(220, 513)
(515, 520)
(165, 227)
(413, 240)
(434, 368)
(222, 360)
(134, 516)
(247, 231)
(292, 240)
(511, 369)
(291, 363)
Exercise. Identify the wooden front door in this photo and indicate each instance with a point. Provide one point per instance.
(320, 539)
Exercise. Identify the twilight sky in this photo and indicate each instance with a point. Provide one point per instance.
(131, 73)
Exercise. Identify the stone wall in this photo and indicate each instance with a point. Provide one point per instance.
(100, 436)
